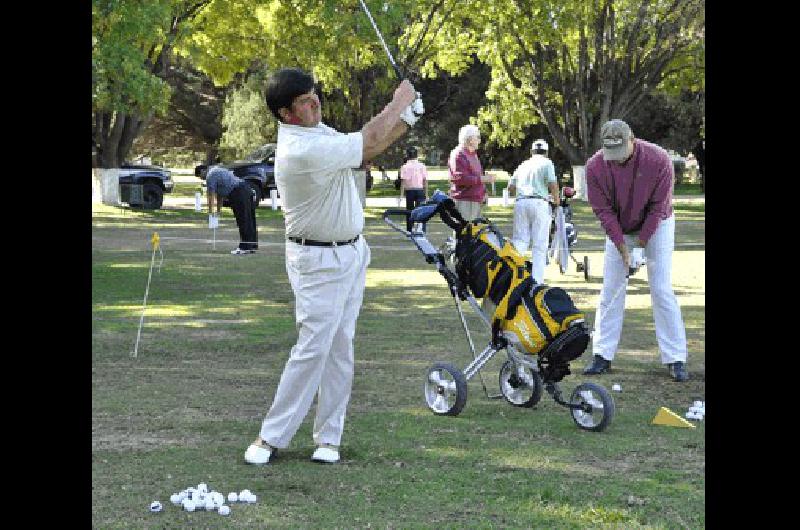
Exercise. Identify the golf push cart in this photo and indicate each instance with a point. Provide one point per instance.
(525, 374)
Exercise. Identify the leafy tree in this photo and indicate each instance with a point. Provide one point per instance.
(247, 121)
(571, 65)
(192, 126)
(132, 43)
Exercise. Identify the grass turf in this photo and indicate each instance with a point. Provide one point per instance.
(217, 332)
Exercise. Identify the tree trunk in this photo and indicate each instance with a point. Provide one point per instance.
(113, 143)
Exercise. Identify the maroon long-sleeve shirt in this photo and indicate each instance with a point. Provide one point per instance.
(652, 192)
(465, 176)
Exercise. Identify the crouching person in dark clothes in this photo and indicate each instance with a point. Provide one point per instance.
(222, 182)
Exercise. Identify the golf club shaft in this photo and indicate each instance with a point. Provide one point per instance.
(385, 47)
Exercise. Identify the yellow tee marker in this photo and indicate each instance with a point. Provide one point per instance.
(155, 240)
(669, 418)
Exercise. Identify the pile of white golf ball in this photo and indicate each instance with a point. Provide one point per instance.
(697, 411)
(200, 498)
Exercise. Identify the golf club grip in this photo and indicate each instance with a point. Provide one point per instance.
(397, 71)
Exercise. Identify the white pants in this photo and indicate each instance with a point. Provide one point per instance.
(532, 221)
(469, 210)
(328, 285)
(670, 333)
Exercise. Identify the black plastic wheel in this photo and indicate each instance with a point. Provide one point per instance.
(602, 407)
(521, 386)
(445, 389)
(152, 196)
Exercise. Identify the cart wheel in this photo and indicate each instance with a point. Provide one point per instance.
(601, 402)
(521, 386)
(586, 268)
(445, 389)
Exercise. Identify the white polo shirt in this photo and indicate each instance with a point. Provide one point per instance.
(533, 175)
(313, 173)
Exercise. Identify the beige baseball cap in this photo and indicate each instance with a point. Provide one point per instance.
(614, 137)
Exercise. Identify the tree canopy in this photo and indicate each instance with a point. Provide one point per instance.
(571, 65)
(567, 65)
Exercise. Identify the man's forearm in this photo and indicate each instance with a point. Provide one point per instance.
(554, 192)
(382, 130)
(397, 131)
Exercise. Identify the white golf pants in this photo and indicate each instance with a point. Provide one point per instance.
(469, 210)
(532, 221)
(328, 285)
(670, 332)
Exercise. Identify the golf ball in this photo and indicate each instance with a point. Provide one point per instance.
(243, 493)
(698, 404)
(155, 506)
(202, 487)
(210, 504)
(188, 505)
(175, 498)
(616, 388)
(251, 498)
(233, 496)
(224, 510)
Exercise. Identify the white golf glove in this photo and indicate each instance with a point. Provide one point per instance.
(637, 259)
(413, 112)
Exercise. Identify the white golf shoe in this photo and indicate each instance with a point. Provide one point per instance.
(327, 455)
(258, 454)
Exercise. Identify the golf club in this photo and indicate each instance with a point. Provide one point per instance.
(385, 47)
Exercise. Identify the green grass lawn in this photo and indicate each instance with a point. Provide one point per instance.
(218, 330)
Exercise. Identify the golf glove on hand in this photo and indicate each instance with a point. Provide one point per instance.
(413, 112)
(637, 259)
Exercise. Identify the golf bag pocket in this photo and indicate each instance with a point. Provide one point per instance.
(534, 315)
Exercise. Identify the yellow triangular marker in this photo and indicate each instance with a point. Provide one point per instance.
(667, 417)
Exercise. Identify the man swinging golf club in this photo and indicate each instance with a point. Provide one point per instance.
(629, 184)
(326, 254)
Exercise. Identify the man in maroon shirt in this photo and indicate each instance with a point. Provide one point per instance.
(629, 184)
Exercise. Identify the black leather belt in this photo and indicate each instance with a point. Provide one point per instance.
(531, 197)
(313, 243)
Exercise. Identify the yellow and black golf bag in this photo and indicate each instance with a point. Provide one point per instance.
(537, 319)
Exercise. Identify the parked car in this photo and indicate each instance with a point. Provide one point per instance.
(144, 185)
(258, 169)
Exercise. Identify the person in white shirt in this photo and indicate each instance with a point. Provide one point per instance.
(326, 254)
(535, 185)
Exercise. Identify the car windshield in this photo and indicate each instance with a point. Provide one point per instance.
(261, 153)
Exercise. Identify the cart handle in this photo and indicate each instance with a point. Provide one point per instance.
(397, 211)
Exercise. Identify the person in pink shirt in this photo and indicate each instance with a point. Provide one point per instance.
(467, 180)
(413, 182)
(629, 183)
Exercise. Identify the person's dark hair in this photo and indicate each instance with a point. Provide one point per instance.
(285, 85)
(411, 153)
